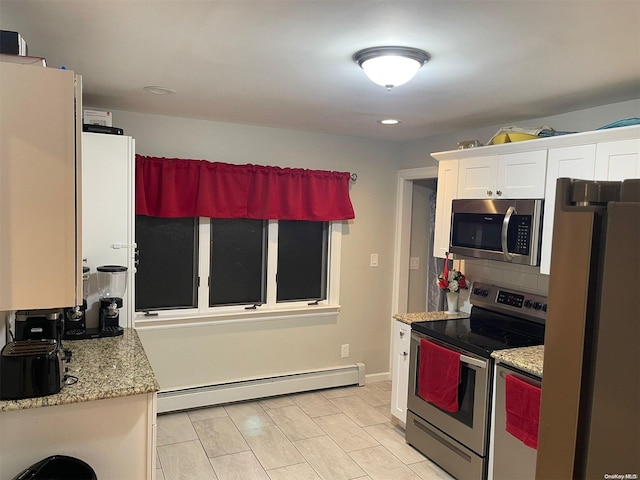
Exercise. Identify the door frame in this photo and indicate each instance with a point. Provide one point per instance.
(402, 243)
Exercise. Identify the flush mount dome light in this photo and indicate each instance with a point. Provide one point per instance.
(391, 66)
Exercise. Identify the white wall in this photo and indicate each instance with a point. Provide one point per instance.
(211, 354)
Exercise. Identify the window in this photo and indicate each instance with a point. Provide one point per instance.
(229, 267)
(237, 270)
(167, 270)
(302, 261)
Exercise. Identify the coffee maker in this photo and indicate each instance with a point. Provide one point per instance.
(75, 325)
(39, 325)
(112, 285)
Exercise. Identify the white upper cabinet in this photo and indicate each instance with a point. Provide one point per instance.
(477, 177)
(618, 160)
(447, 189)
(566, 162)
(514, 175)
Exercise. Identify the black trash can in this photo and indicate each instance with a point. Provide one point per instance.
(58, 467)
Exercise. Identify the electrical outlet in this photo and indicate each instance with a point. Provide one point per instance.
(374, 260)
(344, 351)
(414, 263)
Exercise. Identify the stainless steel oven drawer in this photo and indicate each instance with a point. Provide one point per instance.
(450, 455)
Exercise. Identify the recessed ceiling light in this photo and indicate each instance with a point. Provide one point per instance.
(158, 90)
(389, 121)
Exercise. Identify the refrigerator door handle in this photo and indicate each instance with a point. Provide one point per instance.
(503, 237)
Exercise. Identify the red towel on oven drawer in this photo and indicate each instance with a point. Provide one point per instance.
(439, 375)
(522, 405)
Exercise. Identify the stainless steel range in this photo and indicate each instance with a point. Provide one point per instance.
(458, 441)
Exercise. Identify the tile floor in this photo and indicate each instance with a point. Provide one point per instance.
(335, 434)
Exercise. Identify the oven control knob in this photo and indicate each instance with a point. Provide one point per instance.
(544, 307)
(537, 305)
(484, 293)
(528, 303)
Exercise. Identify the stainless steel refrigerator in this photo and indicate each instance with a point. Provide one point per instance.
(590, 408)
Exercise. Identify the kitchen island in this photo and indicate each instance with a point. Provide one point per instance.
(107, 418)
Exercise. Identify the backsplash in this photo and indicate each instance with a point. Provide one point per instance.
(501, 273)
(520, 277)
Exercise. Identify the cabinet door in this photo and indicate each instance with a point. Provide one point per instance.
(477, 177)
(400, 372)
(522, 175)
(39, 265)
(567, 162)
(447, 189)
(618, 160)
(107, 214)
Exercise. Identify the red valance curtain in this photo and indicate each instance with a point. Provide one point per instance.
(172, 188)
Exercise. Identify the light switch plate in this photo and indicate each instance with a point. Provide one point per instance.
(374, 260)
(414, 263)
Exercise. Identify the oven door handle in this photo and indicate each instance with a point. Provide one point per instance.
(473, 361)
(503, 237)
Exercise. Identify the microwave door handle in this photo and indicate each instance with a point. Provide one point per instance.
(503, 237)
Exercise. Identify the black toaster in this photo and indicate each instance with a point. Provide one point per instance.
(30, 368)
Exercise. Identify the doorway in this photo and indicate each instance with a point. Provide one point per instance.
(423, 295)
(413, 293)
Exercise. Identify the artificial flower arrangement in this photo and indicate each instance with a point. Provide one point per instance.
(451, 280)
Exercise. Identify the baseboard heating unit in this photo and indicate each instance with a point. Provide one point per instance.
(249, 389)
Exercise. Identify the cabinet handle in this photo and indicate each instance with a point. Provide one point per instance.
(405, 354)
(498, 192)
(489, 192)
(401, 334)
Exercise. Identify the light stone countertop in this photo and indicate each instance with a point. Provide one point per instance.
(409, 318)
(106, 368)
(527, 359)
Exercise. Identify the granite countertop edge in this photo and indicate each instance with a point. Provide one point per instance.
(527, 359)
(410, 318)
(105, 367)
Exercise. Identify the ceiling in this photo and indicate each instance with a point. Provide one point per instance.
(288, 63)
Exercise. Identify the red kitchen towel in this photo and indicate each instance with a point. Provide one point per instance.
(439, 375)
(522, 405)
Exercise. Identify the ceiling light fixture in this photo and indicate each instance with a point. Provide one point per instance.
(158, 90)
(391, 66)
(389, 121)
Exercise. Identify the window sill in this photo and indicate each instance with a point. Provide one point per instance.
(173, 319)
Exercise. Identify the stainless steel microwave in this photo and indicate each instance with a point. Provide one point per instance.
(502, 230)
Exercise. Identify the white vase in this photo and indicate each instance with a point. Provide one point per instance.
(452, 302)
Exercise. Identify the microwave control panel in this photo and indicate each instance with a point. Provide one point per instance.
(519, 234)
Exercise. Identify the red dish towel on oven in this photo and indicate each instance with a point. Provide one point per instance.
(439, 375)
(522, 405)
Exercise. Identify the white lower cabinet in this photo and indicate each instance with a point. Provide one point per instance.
(114, 436)
(400, 370)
